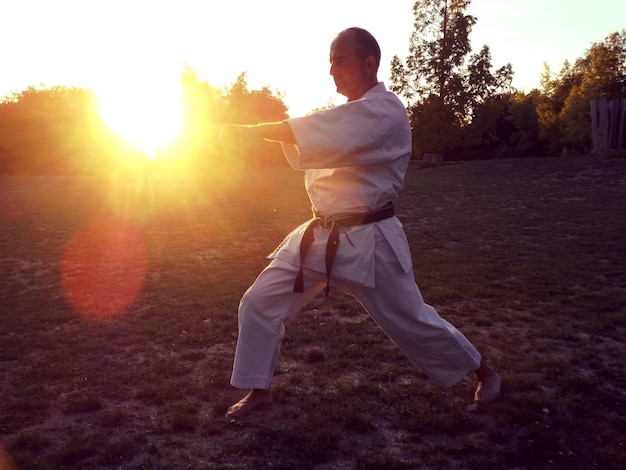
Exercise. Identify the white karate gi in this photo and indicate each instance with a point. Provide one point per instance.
(355, 157)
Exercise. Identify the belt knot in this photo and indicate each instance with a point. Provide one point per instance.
(327, 222)
(331, 223)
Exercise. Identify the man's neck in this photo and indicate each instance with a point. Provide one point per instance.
(366, 89)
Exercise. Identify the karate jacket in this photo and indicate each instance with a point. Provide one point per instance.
(354, 158)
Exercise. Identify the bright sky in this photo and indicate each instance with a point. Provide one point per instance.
(136, 45)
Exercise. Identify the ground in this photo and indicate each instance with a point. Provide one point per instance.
(129, 368)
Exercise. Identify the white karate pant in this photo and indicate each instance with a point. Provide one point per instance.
(396, 304)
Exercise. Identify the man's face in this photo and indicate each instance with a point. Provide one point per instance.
(349, 69)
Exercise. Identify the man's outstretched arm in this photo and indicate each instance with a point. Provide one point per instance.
(272, 131)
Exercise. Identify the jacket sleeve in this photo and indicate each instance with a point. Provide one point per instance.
(361, 132)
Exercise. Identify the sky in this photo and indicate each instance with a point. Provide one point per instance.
(129, 47)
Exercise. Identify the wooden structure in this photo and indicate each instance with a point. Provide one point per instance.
(608, 124)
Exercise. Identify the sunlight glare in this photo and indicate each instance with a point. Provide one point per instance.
(147, 113)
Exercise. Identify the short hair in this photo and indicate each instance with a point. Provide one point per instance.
(366, 43)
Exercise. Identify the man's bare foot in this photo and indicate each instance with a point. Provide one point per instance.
(489, 383)
(255, 398)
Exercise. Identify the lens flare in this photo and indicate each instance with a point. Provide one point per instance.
(6, 463)
(11, 214)
(104, 267)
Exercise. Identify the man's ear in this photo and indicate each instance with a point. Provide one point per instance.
(370, 65)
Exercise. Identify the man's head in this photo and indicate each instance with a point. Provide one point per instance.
(354, 61)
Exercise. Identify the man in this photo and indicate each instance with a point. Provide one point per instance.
(355, 157)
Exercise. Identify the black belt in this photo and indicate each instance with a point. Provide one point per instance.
(332, 223)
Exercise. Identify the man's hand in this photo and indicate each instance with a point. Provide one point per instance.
(234, 133)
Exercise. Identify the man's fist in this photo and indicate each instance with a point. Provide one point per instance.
(233, 133)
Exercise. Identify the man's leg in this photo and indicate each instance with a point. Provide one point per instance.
(262, 311)
(432, 343)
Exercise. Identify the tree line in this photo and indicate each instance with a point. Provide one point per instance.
(60, 130)
(458, 105)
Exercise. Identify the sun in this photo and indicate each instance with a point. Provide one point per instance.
(145, 112)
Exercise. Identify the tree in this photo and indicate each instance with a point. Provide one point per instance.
(520, 131)
(564, 109)
(60, 130)
(252, 107)
(204, 109)
(53, 130)
(437, 48)
(439, 77)
(207, 107)
(604, 67)
(328, 105)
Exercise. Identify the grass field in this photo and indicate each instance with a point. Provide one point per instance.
(119, 302)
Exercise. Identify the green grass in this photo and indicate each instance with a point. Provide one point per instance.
(526, 257)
